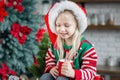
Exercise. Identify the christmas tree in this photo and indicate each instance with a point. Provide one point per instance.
(38, 69)
(19, 23)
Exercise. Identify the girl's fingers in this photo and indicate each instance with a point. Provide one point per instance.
(56, 71)
(54, 76)
(64, 66)
(64, 72)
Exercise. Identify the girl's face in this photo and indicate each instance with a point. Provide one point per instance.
(65, 25)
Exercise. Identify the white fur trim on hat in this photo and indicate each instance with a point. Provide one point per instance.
(63, 5)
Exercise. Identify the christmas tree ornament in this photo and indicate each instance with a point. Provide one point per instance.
(5, 72)
(20, 32)
(35, 60)
(23, 77)
(3, 13)
(40, 34)
(13, 77)
(16, 4)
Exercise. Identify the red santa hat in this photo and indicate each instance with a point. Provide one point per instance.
(79, 12)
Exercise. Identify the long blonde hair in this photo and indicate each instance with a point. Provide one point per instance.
(75, 43)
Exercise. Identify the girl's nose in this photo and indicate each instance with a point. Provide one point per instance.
(62, 29)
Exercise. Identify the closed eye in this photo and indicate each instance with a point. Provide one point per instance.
(57, 25)
(67, 25)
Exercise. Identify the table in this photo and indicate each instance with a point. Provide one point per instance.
(107, 71)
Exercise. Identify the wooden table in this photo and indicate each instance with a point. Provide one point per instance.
(108, 71)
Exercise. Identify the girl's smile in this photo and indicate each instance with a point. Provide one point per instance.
(63, 34)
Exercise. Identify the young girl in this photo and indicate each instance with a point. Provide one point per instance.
(66, 21)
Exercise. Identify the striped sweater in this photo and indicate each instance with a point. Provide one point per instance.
(84, 63)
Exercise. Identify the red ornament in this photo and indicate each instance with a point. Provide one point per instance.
(20, 32)
(4, 71)
(3, 13)
(16, 4)
(35, 61)
(40, 34)
(2, 3)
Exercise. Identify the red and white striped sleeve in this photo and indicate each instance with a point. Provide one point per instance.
(88, 67)
(50, 61)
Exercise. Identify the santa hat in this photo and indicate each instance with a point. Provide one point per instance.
(59, 7)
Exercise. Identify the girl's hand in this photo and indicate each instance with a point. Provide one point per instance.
(67, 70)
(54, 71)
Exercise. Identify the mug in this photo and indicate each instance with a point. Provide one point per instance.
(60, 62)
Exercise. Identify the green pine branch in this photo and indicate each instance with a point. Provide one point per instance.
(43, 47)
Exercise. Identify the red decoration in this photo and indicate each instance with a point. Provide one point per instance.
(40, 34)
(16, 4)
(3, 13)
(35, 61)
(4, 71)
(20, 32)
(2, 3)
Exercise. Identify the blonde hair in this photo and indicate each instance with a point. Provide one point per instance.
(75, 43)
